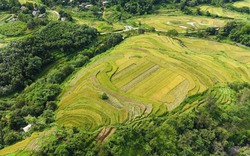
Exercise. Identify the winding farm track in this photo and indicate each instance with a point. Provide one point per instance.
(118, 32)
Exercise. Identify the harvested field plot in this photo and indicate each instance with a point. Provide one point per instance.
(224, 12)
(245, 3)
(148, 74)
(180, 23)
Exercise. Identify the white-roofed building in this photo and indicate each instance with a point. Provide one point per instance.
(26, 128)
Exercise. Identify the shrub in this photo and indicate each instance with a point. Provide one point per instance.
(172, 33)
(104, 96)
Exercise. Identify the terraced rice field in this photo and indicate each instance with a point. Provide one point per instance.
(223, 95)
(24, 147)
(148, 74)
(11, 29)
(4, 17)
(180, 23)
(245, 3)
(224, 12)
(101, 26)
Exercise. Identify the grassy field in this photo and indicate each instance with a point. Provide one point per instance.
(224, 12)
(245, 3)
(148, 74)
(180, 23)
(101, 26)
(53, 15)
(12, 28)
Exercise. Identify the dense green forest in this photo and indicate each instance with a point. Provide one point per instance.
(11, 5)
(236, 31)
(22, 60)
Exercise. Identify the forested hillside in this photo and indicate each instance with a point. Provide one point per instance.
(22, 60)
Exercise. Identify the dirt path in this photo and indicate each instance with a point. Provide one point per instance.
(117, 32)
(105, 134)
(104, 11)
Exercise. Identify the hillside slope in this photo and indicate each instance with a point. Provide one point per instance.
(148, 74)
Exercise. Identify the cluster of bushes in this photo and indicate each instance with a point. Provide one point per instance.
(188, 11)
(34, 106)
(236, 31)
(20, 61)
(117, 13)
(137, 7)
(65, 15)
(10, 5)
(204, 33)
(109, 41)
(67, 141)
